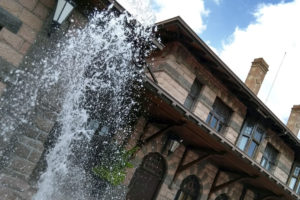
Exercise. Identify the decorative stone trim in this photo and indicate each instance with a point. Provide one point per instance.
(9, 21)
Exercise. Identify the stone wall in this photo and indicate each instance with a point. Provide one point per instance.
(24, 41)
(205, 170)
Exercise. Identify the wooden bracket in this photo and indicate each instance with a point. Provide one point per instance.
(215, 187)
(181, 167)
(272, 196)
(142, 142)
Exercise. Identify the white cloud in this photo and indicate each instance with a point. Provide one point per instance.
(275, 31)
(218, 2)
(192, 11)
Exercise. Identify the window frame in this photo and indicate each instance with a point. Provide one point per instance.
(251, 136)
(297, 177)
(213, 114)
(274, 164)
(198, 85)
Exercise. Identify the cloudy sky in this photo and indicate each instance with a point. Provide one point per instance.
(241, 30)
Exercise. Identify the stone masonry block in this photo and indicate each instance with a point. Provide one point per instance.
(11, 6)
(14, 40)
(8, 194)
(22, 150)
(22, 166)
(14, 183)
(24, 48)
(29, 4)
(36, 144)
(9, 21)
(31, 20)
(48, 3)
(2, 88)
(10, 55)
(41, 11)
(44, 124)
(34, 156)
(27, 33)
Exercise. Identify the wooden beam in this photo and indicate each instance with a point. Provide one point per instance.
(179, 165)
(214, 182)
(158, 133)
(223, 185)
(188, 165)
(272, 196)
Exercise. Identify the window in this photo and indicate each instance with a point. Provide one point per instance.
(222, 197)
(268, 160)
(192, 95)
(294, 182)
(251, 137)
(189, 189)
(219, 116)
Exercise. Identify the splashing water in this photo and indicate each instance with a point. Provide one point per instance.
(97, 71)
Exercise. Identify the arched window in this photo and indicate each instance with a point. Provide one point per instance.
(147, 178)
(189, 189)
(222, 197)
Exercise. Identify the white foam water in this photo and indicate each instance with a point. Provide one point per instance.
(98, 69)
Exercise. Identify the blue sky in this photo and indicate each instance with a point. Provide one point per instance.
(226, 15)
(240, 31)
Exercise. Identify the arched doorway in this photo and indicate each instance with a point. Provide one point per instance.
(222, 197)
(189, 189)
(147, 178)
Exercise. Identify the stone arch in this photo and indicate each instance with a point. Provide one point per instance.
(222, 197)
(190, 189)
(147, 178)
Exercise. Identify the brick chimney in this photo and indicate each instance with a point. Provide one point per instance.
(294, 120)
(256, 74)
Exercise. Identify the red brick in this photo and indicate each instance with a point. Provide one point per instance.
(41, 11)
(11, 38)
(30, 4)
(10, 55)
(31, 20)
(27, 33)
(24, 48)
(11, 6)
(48, 3)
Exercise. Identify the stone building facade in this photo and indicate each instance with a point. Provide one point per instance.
(227, 143)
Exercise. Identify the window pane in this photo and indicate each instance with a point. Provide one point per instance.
(208, 118)
(258, 135)
(296, 171)
(219, 127)
(251, 149)
(263, 162)
(188, 102)
(292, 183)
(243, 142)
(298, 189)
(248, 129)
(213, 122)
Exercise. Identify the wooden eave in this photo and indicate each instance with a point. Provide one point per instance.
(197, 134)
(176, 29)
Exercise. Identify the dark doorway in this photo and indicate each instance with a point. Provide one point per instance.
(147, 178)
